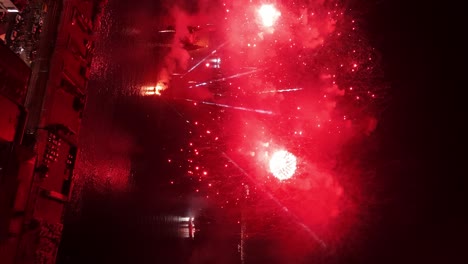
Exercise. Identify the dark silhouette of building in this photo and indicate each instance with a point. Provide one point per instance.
(45, 57)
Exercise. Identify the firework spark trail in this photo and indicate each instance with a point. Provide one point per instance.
(339, 67)
(260, 111)
(284, 208)
(205, 58)
(237, 75)
(167, 31)
(163, 45)
(282, 90)
(176, 111)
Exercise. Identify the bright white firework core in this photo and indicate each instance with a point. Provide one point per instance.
(283, 165)
(269, 15)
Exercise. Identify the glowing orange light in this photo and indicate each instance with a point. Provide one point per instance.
(153, 90)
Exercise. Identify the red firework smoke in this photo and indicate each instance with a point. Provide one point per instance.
(301, 79)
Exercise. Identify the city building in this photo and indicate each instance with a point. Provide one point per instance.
(46, 47)
(16, 161)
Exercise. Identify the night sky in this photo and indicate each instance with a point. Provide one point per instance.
(404, 202)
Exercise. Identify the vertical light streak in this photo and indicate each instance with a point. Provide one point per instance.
(284, 208)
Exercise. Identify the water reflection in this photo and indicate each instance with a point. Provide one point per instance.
(122, 210)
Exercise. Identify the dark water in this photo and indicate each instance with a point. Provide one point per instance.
(119, 214)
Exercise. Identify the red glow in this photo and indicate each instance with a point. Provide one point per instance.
(261, 100)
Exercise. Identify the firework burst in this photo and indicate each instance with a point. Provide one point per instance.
(318, 89)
